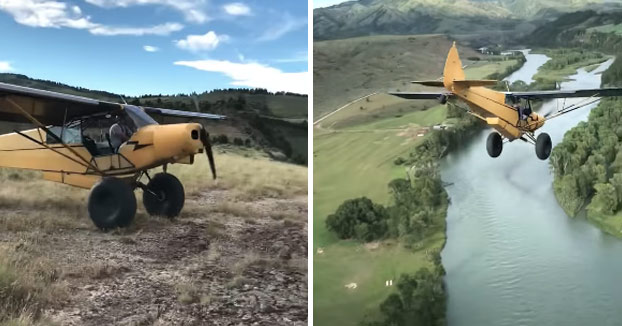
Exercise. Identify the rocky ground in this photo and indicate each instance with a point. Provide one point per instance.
(222, 262)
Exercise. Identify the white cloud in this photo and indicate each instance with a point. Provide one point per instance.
(44, 13)
(254, 75)
(193, 10)
(288, 24)
(298, 57)
(56, 14)
(237, 9)
(206, 42)
(163, 29)
(5, 66)
(150, 48)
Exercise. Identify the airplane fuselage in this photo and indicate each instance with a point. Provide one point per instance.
(149, 147)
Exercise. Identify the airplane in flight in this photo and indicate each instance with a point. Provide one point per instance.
(102, 146)
(510, 114)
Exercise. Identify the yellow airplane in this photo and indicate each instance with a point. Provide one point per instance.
(509, 113)
(102, 146)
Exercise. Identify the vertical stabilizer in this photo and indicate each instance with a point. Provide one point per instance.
(453, 68)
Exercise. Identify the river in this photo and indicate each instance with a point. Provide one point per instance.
(512, 256)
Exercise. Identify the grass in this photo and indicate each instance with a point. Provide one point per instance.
(609, 28)
(488, 68)
(548, 74)
(246, 173)
(348, 165)
(347, 69)
(30, 283)
(353, 157)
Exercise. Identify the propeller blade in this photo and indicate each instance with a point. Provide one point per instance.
(208, 151)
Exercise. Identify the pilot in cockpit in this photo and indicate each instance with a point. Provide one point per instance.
(120, 132)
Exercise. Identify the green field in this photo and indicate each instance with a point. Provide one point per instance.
(548, 73)
(609, 28)
(348, 163)
(354, 151)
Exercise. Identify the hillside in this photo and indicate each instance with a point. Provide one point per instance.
(236, 254)
(588, 29)
(345, 70)
(373, 17)
(274, 122)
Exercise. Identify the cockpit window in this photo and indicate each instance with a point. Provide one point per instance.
(69, 135)
(139, 116)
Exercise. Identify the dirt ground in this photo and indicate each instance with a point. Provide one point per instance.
(222, 262)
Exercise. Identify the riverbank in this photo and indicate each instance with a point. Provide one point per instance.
(511, 251)
(345, 149)
(587, 169)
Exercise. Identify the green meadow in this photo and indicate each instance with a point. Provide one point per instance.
(354, 151)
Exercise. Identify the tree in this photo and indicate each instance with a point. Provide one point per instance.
(606, 198)
(359, 218)
(419, 301)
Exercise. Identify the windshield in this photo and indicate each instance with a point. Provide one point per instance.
(139, 116)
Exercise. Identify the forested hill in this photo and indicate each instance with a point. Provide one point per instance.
(375, 17)
(275, 122)
(587, 164)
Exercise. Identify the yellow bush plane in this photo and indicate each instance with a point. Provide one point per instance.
(509, 113)
(102, 146)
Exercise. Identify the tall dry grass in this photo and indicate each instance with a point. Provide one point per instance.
(248, 175)
(28, 283)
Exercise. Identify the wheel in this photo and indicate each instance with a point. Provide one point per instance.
(112, 204)
(494, 144)
(169, 195)
(543, 146)
(443, 99)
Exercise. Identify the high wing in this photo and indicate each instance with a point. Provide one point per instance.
(419, 95)
(182, 114)
(537, 95)
(52, 108)
(49, 108)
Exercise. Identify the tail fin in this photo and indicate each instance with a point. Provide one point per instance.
(453, 68)
(453, 75)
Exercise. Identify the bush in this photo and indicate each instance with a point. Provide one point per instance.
(360, 219)
(221, 139)
(238, 142)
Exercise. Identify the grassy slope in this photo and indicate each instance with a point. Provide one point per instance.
(30, 281)
(354, 157)
(344, 70)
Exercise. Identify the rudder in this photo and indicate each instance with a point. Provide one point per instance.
(453, 68)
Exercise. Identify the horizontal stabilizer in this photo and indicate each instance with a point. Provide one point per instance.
(432, 83)
(418, 95)
(474, 83)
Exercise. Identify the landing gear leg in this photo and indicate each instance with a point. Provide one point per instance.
(543, 146)
(494, 144)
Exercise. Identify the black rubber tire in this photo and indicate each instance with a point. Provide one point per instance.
(494, 144)
(543, 146)
(112, 204)
(443, 99)
(171, 193)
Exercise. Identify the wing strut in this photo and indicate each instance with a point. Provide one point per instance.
(44, 128)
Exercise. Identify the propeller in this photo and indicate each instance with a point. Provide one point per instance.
(208, 151)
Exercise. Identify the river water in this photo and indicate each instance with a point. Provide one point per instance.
(512, 256)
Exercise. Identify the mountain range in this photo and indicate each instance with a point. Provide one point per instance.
(375, 17)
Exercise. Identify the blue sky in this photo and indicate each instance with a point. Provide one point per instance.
(135, 47)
